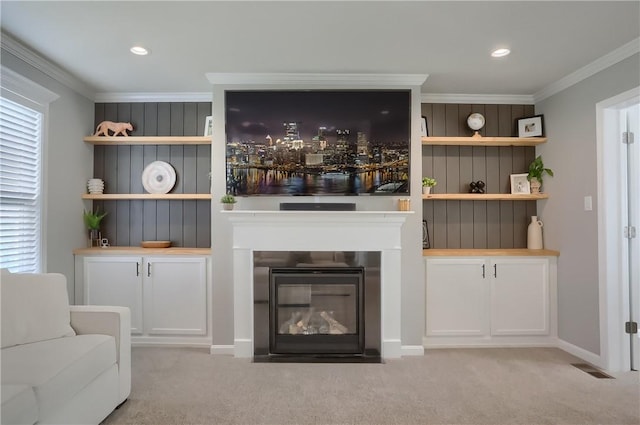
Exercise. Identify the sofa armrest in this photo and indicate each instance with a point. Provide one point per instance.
(108, 320)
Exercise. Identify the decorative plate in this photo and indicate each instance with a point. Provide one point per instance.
(158, 177)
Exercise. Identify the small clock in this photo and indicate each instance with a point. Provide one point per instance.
(475, 121)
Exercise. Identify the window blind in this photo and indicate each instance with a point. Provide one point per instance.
(20, 187)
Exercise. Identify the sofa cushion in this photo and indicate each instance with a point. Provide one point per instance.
(59, 368)
(18, 405)
(35, 307)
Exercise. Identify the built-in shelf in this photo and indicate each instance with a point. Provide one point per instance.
(484, 197)
(483, 141)
(148, 140)
(119, 250)
(168, 196)
(515, 252)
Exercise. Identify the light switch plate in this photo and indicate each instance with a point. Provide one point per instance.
(588, 203)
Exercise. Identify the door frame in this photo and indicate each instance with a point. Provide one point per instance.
(612, 263)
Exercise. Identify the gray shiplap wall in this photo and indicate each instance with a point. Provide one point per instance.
(185, 223)
(476, 224)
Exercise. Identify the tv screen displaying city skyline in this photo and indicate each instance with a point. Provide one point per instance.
(318, 142)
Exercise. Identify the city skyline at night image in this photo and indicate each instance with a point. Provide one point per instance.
(318, 142)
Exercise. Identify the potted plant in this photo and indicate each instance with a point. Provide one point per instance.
(427, 184)
(92, 221)
(536, 170)
(227, 201)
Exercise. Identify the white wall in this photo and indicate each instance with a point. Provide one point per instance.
(68, 163)
(570, 121)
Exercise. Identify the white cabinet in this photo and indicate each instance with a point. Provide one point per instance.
(490, 301)
(167, 295)
(456, 298)
(115, 281)
(175, 296)
(520, 297)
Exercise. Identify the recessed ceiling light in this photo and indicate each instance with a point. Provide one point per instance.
(139, 50)
(499, 53)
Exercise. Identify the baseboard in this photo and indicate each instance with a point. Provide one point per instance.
(412, 350)
(588, 356)
(222, 350)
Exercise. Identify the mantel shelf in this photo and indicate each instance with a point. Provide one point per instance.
(158, 196)
(483, 141)
(148, 140)
(484, 197)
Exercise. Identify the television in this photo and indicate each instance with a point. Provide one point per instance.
(317, 142)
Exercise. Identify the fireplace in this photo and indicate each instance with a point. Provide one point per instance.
(322, 305)
(316, 310)
(263, 240)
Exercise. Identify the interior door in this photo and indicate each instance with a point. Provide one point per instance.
(632, 118)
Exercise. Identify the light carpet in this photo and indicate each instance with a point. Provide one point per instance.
(453, 386)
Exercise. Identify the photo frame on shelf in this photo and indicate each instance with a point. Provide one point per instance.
(426, 243)
(531, 126)
(424, 130)
(520, 184)
(208, 126)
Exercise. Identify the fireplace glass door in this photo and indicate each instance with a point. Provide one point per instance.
(316, 310)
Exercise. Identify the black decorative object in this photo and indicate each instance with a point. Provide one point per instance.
(426, 244)
(476, 187)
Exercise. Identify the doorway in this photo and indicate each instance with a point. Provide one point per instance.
(618, 226)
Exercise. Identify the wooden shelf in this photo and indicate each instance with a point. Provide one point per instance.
(483, 197)
(159, 196)
(119, 250)
(483, 141)
(148, 140)
(516, 252)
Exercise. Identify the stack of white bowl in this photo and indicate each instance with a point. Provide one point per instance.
(95, 185)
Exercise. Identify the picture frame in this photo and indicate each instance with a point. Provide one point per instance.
(208, 126)
(520, 184)
(426, 243)
(424, 130)
(531, 126)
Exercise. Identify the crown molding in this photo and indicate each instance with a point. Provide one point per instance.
(25, 88)
(14, 47)
(153, 97)
(499, 99)
(310, 79)
(604, 62)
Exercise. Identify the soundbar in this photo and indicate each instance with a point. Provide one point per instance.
(317, 206)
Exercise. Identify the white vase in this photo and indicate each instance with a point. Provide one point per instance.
(426, 190)
(534, 233)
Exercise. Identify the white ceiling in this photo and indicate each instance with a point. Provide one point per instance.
(450, 41)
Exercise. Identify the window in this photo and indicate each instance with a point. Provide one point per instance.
(20, 187)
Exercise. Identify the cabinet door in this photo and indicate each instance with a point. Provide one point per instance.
(520, 297)
(457, 298)
(175, 296)
(115, 281)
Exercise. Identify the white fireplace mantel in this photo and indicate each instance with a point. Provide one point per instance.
(317, 231)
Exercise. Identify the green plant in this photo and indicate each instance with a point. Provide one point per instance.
(228, 199)
(92, 219)
(428, 182)
(536, 169)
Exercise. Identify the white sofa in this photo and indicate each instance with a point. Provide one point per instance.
(61, 364)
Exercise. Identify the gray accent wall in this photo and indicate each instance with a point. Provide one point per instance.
(186, 223)
(570, 118)
(476, 224)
